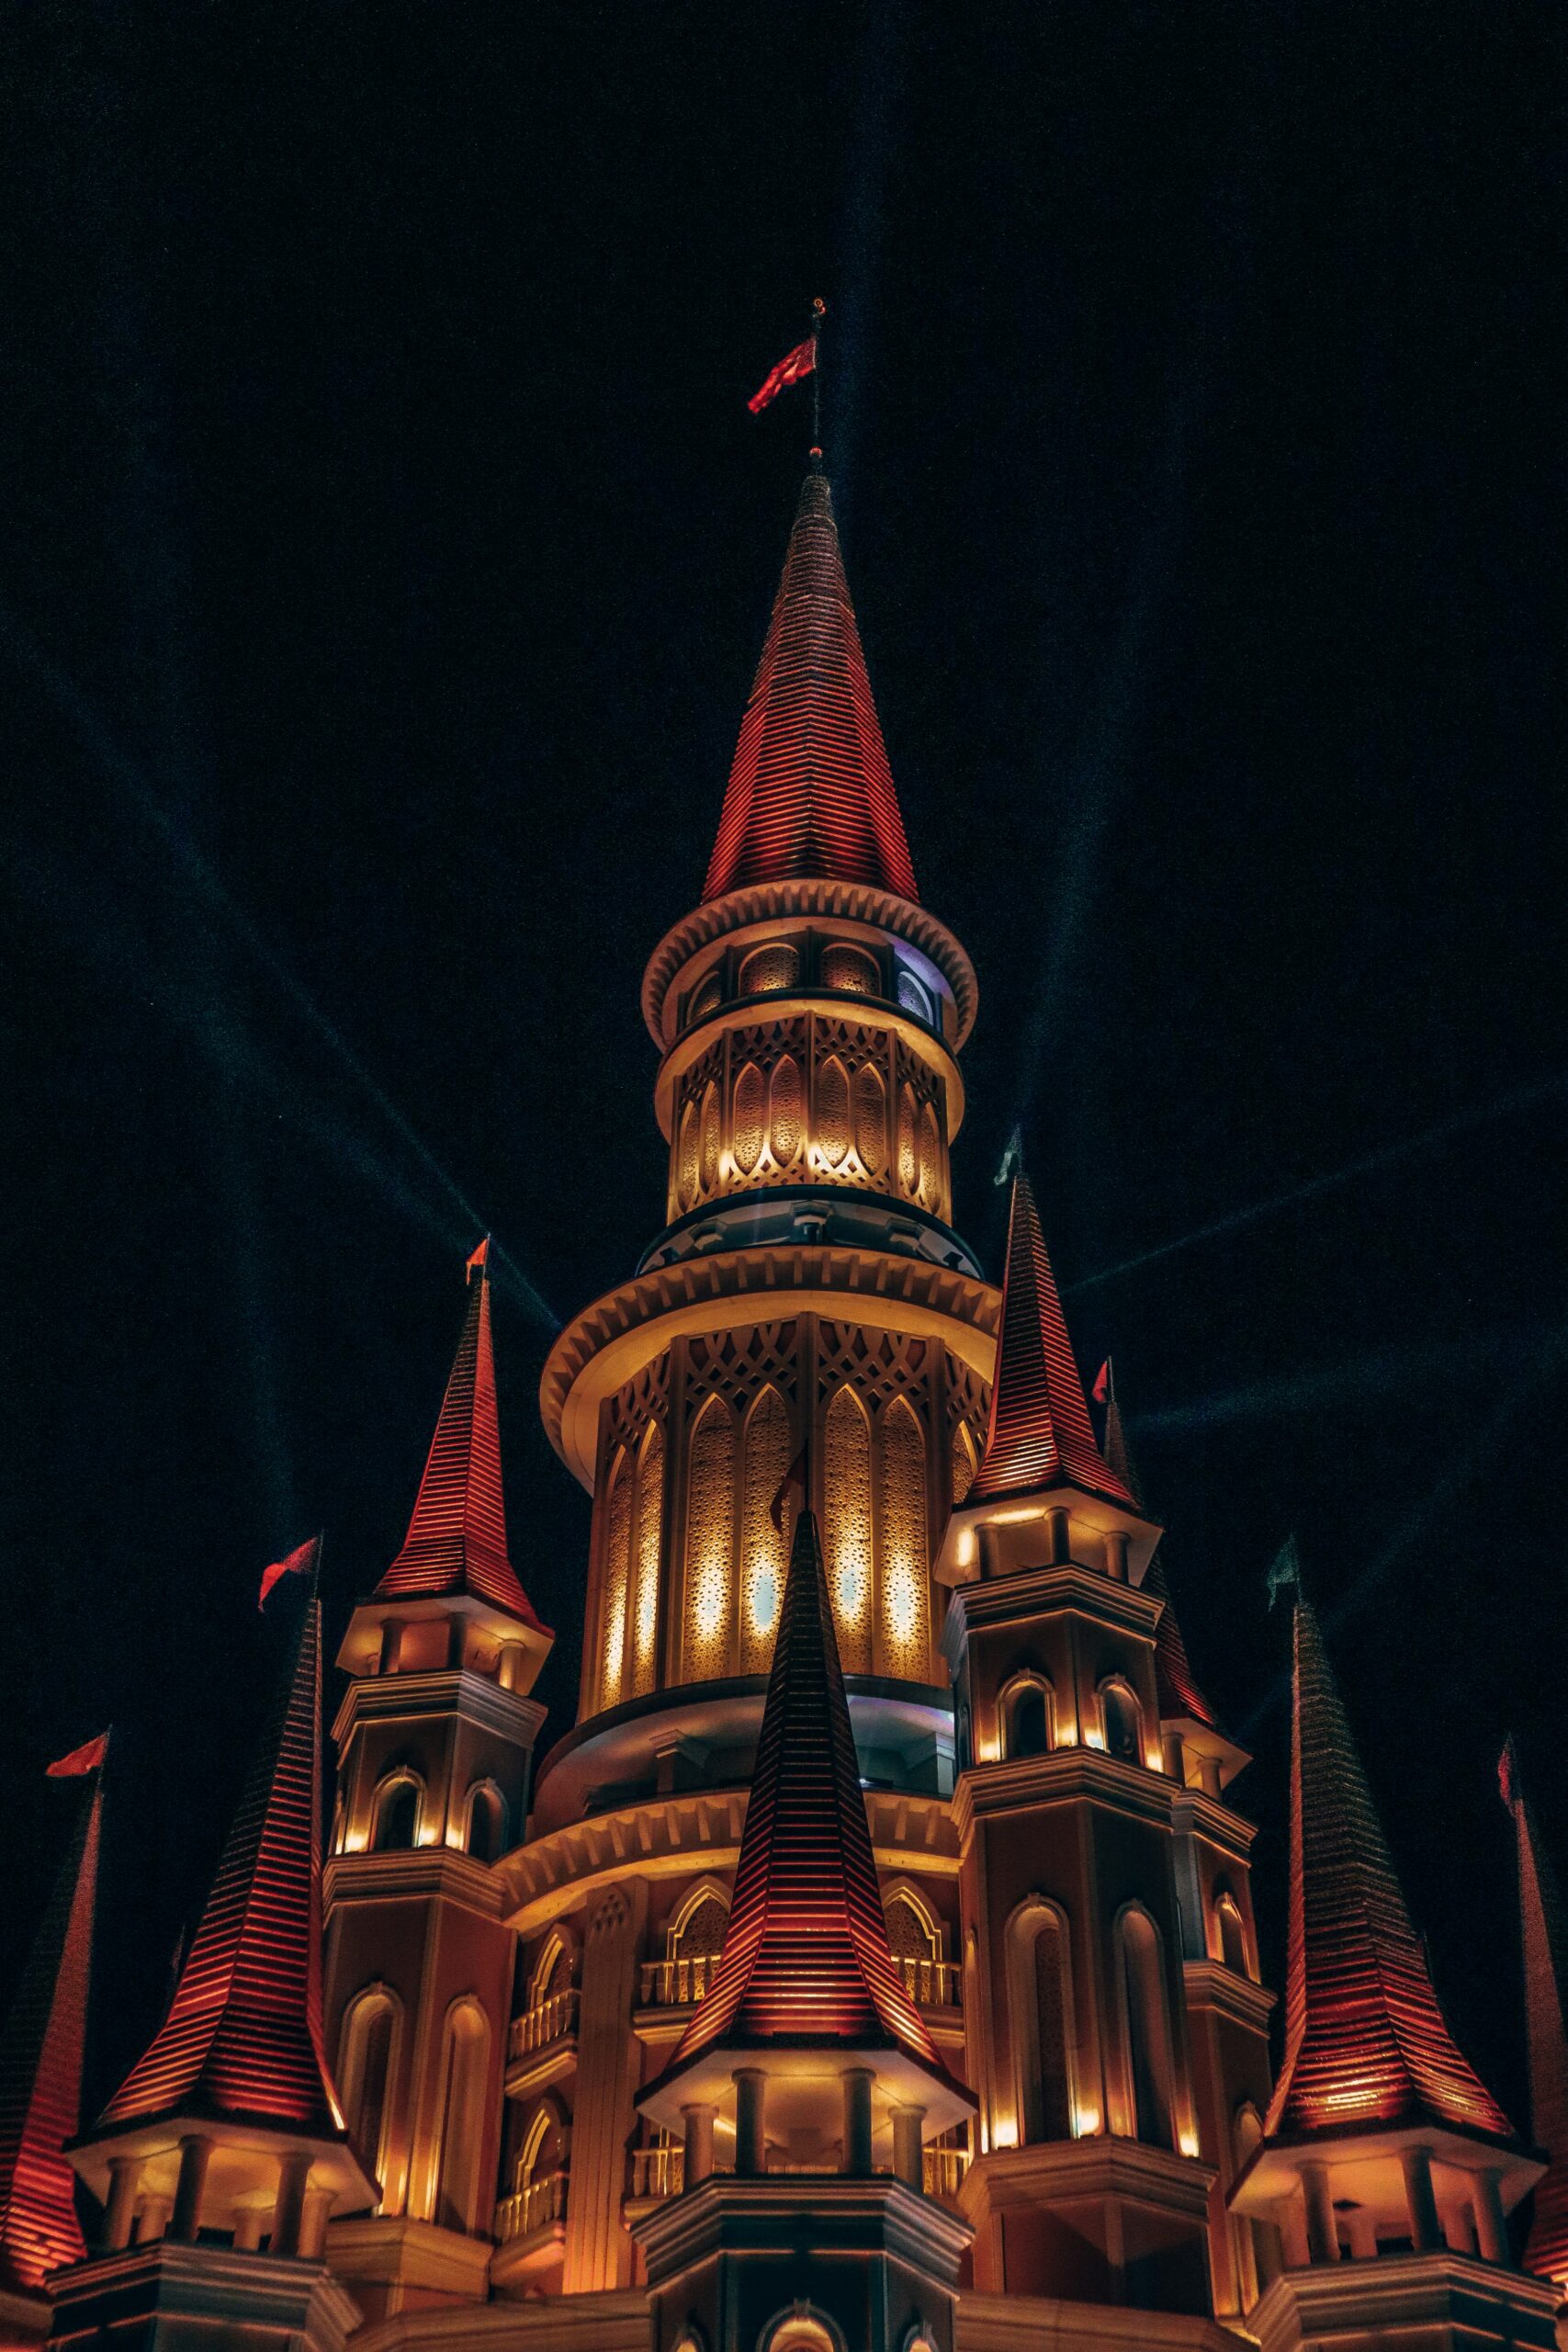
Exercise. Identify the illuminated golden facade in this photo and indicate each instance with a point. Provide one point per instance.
(851, 1519)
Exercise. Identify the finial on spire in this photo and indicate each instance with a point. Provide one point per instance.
(478, 1262)
(1285, 1571)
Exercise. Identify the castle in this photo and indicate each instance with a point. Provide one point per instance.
(873, 1968)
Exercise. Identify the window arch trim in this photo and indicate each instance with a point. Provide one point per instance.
(402, 1776)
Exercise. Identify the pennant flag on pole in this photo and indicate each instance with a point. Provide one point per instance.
(480, 1258)
(793, 1480)
(1508, 1772)
(1013, 1158)
(792, 369)
(295, 1565)
(1285, 1576)
(1102, 1389)
(82, 1761)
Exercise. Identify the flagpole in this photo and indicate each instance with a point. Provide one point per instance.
(818, 313)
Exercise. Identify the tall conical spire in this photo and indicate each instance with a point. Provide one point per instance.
(1178, 1692)
(40, 2071)
(805, 1956)
(1544, 1935)
(457, 1538)
(1366, 2042)
(1039, 1432)
(243, 2037)
(810, 792)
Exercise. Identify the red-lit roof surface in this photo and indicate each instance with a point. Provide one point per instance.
(810, 792)
(457, 1538)
(1366, 2042)
(1177, 1683)
(806, 1955)
(243, 2037)
(1544, 1935)
(40, 2072)
(1039, 1432)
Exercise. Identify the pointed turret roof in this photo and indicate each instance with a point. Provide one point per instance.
(457, 1538)
(1178, 1685)
(40, 2072)
(805, 1956)
(1039, 1433)
(1366, 2042)
(1543, 1930)
(243, 2037)
(810, 792)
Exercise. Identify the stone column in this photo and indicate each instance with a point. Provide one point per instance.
(1491, 2225)
(906, 2123)
(1058, 1535)
(289, 2213)
(698, 2120)
(1116, 1556)
(391, 1644)
(1323, 2236)
(751, 2120)
(1426, 2234)
(248, 2224)
(195, 2156)
(857, 2082)
(313, 2224)
(125, 2178)
(598, 2251)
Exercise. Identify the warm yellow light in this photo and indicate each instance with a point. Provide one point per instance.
(1189, 2140)
(1154, 1760)
(707, 1601)
(762, 1602)
(1086, 2121)
(1093, 1736)
(989, 1747)
(1004, 2132)
(965, 1549)
(902, 1603)
(1016, 1518)
(850, 1588)
(1066, 1735)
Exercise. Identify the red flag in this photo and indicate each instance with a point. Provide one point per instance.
(793, 1480)
(295, 1565)
(480, 1258)
(1102, 1383)
(87, 1758)
(795, 365)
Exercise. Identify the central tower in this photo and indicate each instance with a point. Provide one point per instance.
(808, 1303)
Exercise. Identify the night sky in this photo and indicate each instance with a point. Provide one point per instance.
(387, 549)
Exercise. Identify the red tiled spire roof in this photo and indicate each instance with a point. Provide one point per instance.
(457, 1538)
(40, 2072)
(1544, 1935)
(1039, 1432)
(243, 2037)
(1178, 1685)
(806, 1955)
(1366, 2042)
(810, 792)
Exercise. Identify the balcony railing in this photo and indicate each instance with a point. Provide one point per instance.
(943, 2170)
(933, 1983)
(658, 2172)
(541, 2027)
(542, 2201)
(677, 1984)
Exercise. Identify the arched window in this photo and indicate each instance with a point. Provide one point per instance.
(536, 2180)
(710, 1542)
(770, 968)
(694, 1941)
(650, 1526)
(395, 1822)
(849, 969)
(486, 1839)
(617, 1578)
(688, 1158)
(706, 997)
(1123, 1721)
(848, 1528)
(801, 2331)
(1146, 2029)
(915, 997)
(764, 1552)
(915, 1941)
(552, 1971)
(1040, 2002)
(1028, 1717)
(464, 2062)
(1231, 1931)
(903, 1581)
(365, 2053)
